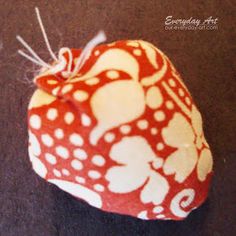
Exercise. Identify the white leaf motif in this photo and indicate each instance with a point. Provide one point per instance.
(178, 132)
(116, 59)
(205, 164)
(181, 163)
(114, 104)
(127, 179)
(155, 190)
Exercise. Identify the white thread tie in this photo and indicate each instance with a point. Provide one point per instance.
(61, 62)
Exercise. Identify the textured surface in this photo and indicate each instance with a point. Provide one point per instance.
(137, 117)
(205, 59)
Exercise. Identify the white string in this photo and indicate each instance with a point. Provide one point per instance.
(61, 61)
(29, 58)
(45, 35)
(70, 59)
(34, 54)
(99, 38)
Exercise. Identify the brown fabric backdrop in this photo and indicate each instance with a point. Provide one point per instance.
(206, 60)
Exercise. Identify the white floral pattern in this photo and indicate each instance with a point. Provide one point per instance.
(181, 135)
(137, 167)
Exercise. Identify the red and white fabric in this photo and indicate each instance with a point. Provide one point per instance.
(123, 134)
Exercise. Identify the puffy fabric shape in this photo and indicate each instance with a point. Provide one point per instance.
(123, 134)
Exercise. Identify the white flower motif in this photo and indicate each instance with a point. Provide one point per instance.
(181, 135)
(137, 168)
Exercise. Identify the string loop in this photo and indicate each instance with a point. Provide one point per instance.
(61, 62)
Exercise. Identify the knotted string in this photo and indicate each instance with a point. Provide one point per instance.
(61, 62)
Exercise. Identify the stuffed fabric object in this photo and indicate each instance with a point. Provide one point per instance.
(115, 126)
(123, 133)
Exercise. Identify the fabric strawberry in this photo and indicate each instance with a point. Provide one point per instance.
(115, 126)
(123, 134)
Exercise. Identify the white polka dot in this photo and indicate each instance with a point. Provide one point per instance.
(59, 133)
(154, 97)
(157, 209)
(62, 152)
(52, 114)
(159, 116)
(187, 100)
(125, 129)
(154, 131)
(80, 154)
(47, 140)
(160, 146)
(57, 173)
(92, 81)
(67, 88)
(35, 122)
(77, 165)
(80, 95)
(55, 91)
(109, 137)
(98, 160)
(80, 180)
(85, 119)
(111, 44)
(96, 53)
(112, 74)
(76, 139)
(160, 216)
(69, 118)
(94, 174)
(172, 83)
(133, 44)
(142, 124)
(50, 158)
(137, 52)
(50, 81)
(99, 187)
(65, 172)
(170, 105)
(181, 92)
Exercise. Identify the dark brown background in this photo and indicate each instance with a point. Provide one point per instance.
(206, 60)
